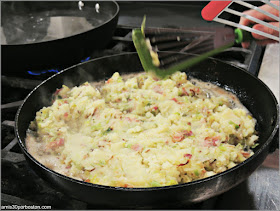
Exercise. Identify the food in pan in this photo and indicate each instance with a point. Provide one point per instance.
(138, 131)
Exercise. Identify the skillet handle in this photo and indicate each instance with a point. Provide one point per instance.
(275, 142)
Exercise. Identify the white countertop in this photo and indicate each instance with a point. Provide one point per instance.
(262, 179)
(269, 74)
(269, 71)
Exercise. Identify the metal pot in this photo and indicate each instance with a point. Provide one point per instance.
(53, 35)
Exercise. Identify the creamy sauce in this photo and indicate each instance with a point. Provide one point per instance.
(213, 90)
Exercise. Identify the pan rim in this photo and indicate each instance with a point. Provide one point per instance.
(183, 185)
(70, 36)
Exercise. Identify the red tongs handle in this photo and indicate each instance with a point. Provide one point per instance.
(213, 9)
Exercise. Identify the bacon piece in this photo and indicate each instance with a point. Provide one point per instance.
(189, 156)
(179, 136)
(60, 142)
(94, 112)
(85, 156)
(246, 154)
(136, 147)
(185, 91)
(132, 119)
(193, 92)
(109, 81)
(182, 164)
(57, 91)
(155, 107)
(187, 133)
(127, 186)
(211, 141)
(158, 89)
(175, 100)
(56, 143)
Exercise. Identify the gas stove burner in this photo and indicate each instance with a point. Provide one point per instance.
(40, 72)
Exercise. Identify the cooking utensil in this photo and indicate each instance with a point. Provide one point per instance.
(38, 36)
(251, 91)
(201, 41)
(214, 9)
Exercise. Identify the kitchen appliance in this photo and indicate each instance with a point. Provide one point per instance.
(21, 186)
(51, 35)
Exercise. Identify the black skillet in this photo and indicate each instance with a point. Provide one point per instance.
(38, 35)
(252, 92)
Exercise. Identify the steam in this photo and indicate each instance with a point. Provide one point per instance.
(79, 76)
(45, 97)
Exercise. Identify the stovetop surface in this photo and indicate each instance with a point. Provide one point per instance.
(21, 186)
